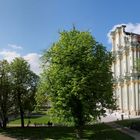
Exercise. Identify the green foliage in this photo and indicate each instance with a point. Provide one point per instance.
(18, 85)
(24, 86)
(5, 92)
(25, 83)
(41, 98)
(77, 77)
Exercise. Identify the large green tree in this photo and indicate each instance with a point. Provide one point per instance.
(77, 77)
(6, 98)
(24, 86)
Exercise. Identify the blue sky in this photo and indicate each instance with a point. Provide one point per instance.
(29, 26)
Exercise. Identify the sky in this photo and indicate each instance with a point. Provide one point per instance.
(27, 27)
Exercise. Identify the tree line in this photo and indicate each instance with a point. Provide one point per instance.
(18, 85)
(76, 79)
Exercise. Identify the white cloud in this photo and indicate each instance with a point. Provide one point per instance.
(33, 59)
(9, 55)
(14, 46)
(130, 27)
(134, 28)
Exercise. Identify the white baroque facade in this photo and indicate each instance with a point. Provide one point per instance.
(126, 50)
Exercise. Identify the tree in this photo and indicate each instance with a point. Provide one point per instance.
(41, 98)
(78, 78)
(24, 86)
(5, 92)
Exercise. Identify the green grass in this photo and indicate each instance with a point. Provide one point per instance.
(33, 119)
(94, 132)
(39, 119)
(127, 123)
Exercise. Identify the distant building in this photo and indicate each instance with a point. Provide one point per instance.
(126, 50)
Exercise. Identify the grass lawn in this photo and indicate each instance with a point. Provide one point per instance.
(128, 122)
(38, 119)
(94, 132)
(33, 119)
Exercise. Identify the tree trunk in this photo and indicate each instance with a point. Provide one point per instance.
(4, 123)
(79, 133)
(22, 117)
(21, 111)
(4, 120)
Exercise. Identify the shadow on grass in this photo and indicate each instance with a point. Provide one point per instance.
(96, 132)
(128, 122)
(39, 133)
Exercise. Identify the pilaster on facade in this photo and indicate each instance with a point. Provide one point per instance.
(125, 50)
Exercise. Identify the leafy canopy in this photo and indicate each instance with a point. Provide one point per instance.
(6, 96)
(77, 77)
(24, 86)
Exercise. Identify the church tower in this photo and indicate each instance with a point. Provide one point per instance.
(126, 51)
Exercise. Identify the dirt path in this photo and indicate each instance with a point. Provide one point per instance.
(2, 137)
